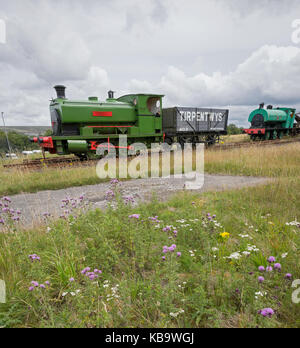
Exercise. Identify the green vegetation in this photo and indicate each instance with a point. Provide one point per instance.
(272, 161)
(212, 282)
(232, 129)
(18, 142)
(200, 287)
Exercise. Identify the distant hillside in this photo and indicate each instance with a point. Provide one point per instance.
(28, 130)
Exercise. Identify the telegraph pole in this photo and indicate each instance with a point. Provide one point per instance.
(5, 131)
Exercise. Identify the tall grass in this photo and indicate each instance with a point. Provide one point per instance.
(200, 287)
(272, 161)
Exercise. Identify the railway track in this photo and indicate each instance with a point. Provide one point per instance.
(255, 144)
(66, 161)
(48, 162)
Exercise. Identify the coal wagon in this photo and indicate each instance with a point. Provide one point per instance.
(194, 125)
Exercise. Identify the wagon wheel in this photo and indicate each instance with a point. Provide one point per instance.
(182, 141)
(82, 156)
(168, 141)
(273, 135)
(267, 136)
(210, 140)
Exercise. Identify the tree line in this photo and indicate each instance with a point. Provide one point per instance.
(18, 142)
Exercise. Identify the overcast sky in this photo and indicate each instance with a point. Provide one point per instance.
(208, 53)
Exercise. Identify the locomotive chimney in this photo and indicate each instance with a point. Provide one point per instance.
(111, 94)
(60, 91)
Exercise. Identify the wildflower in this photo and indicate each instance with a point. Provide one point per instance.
(235, 256)
(93, 276)
(277, 266)
(178, 254)
(165, 249)
(288, 276)
(252, 248)
(85, 270)
(31, 288)
(271, 259)
(245, 236)
(42, 286)
(134, 216)
(214, 249)
(34, 257)
(260, 294)
(192, 252)
(261, 268)
(225, 235)
(71, 280)
(267, 312)
(284, 255)
(35, 284)
(269, 269)
(164, 258)
(114, 182)
(47, 283)
(261, 279)
(1, 221)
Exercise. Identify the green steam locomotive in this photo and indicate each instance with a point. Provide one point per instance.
(81, 126)
(273, 123)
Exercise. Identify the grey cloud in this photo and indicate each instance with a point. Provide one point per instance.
(208, 52)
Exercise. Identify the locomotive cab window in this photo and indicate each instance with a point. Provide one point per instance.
(153, 105)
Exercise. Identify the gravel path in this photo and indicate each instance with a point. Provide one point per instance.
(33, 205)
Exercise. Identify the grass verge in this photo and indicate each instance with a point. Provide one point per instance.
(273, 161)
(212, 282)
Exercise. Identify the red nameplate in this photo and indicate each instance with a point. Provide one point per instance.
(102, 113)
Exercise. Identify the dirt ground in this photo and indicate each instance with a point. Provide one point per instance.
(33, 205)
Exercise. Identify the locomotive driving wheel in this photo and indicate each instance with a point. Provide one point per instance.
(267, 136)
(273, 135)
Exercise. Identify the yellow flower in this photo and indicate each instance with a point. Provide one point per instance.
(225, 235)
